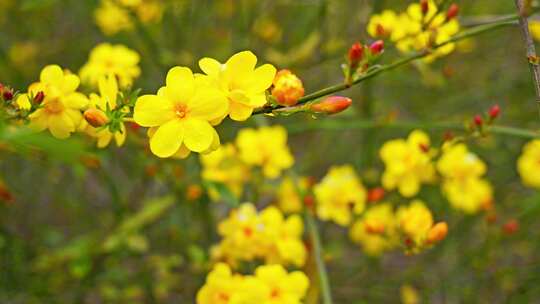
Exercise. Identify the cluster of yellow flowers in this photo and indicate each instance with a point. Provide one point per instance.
(265, 148)
(380, 229)
(182, 114)
(289, 194)
(271, 284)
(340, 194)
(529, 164)
(250, 235)
(419, 28)
(408, 163)
(462, 182)
(54, 103)
(113, 16)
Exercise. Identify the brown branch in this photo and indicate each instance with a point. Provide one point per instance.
(530, 47)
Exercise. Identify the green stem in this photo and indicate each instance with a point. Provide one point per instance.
(317, 252)
(474, 31)
(336, 125)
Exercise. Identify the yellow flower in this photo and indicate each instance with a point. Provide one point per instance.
(268, 235)
(111, 18)
(267, 148)
(409, 295)
(376, 230)
(408, 163)
(528, 164)
(462, 173)
(150, 11)
(339, 193)
(181, 111)
(415, 222)
(225, 166)
(282, 287)
(111, 61)
(224, 287)
(62, 105)
(239, 80)
(288, 198)
(288, 88)
(108, 89)
(534, 27)
(383, 25)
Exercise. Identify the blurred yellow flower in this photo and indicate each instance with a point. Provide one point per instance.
(108, 90)
(60, 110)
(244, 85)
(112, 18)
(265, 147)
(462, 173)
(225, 166)
(111, 61)
(383, 25)
(23, 53)
(248, 235)
(534, 27)
(224, 287)
(409, 295)
(407, 163)
(415, 222)
(528, 164)
(339, 194)
(288, 198)
(282, 287)
(376, 230)
(181, 111)
(150, 11)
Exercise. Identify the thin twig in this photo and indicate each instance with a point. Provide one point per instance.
(533, 59)
(318, 255)
(337, 125)
(474, 31)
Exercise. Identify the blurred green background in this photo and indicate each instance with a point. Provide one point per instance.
(73, 198)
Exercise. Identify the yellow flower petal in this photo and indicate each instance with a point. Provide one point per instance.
(262, 78)
(52, 74)
(152, 110)
(208, 105)
(199, 134)
(167, 139)
(240, 112)
(61, 125)
(241, 64)
(180, 84)
(75, 101)
(70, 83)
(210, 66)
(108, 88)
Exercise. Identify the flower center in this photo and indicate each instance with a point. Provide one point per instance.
(54, 106)
(180, 110)
(275, 293)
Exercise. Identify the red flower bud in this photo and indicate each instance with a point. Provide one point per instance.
(377, 47)
(356, 52)
(39, 97)
(309, 201)
(494, 111)
(375, 194)
(452, 12)
(7, 94)
(478, 121)
(424, 5)
(331, 105)
(511, 227)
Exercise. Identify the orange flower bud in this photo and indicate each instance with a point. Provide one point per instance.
(96, 118)
(437, 233)
(452, 12)
(288, 88)
(424, 5)
(331, 105)
(193, 192)
(375, 195)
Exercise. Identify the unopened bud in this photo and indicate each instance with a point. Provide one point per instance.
(452, 12)
(7, 94)
(288, 88)
(424, 147)
(437, 233)
(478, 121)
(309, 201)
(511, 227)
(39, 97)
(331, 105)
(375, 195)
(494, 112)
(376, 47)
(96, 118)
(356, 53)
(424, 5)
